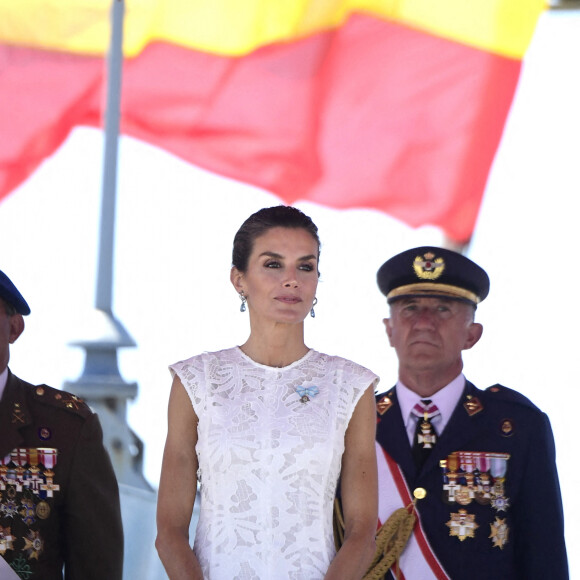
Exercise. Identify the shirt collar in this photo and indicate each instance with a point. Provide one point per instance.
(3, 380)
(446, 399)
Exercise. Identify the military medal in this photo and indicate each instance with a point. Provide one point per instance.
(306, 392)
(482, 494)
(9, 508)
(463, 495)
(33, 545)
(450, 478)
(6, 540)
(475, 475)
(27, 512)
(43, 510)
(48, 459)
(498, 470)
(462, 525)
(499, 533)
(426, 437)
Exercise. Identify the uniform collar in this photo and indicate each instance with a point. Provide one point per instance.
(14, 414)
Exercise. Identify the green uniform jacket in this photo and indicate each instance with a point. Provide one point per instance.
(59, 512)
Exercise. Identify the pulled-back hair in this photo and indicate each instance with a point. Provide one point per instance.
(280, 216)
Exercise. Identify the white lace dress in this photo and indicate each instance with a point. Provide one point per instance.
(269, 460)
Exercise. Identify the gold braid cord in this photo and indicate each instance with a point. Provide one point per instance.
(391, 538)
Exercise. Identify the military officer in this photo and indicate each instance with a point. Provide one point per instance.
(477, 465)
(59, 499)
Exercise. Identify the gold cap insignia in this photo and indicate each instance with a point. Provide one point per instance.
(428, 267)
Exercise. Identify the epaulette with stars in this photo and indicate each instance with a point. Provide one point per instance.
(61, 399)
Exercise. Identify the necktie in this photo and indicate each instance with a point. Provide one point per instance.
(425, 435)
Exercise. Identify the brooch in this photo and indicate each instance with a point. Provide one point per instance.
(307, 392)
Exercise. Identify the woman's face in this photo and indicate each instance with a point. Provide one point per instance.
(282, 275)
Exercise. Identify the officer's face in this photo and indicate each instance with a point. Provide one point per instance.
(430, 333)
(11, 328)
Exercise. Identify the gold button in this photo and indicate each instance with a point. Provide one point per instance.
(39, 391)
(419, 492)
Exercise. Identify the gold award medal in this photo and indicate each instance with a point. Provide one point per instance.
(499, 533)
(482, 497)
(6, 540)
(462, 525)
(42, 510)
(463, 495)
(33, 545)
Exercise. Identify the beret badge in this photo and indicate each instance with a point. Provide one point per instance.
(428, 267)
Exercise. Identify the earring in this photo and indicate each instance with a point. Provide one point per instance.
(243, 304)
(312, 313)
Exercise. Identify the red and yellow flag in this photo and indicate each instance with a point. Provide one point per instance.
(397, 105)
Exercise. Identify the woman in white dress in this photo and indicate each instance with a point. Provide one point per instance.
(267, 428)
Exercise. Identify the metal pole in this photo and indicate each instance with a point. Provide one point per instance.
(109, 185)
(101, 384)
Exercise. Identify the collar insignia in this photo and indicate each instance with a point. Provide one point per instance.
(472, 405)
(384, 404)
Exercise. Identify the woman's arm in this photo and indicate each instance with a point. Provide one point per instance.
(177, 488)
(359, 494)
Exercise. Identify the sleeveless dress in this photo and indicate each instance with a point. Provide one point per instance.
(270, 444)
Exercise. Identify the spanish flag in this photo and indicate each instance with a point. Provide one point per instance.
(397, 105)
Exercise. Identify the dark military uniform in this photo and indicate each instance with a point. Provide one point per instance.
(58, 508)
(514, 530)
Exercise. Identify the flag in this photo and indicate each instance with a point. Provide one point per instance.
(397, 105)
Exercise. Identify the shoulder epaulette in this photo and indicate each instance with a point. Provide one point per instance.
(509, 395)
(61, 399)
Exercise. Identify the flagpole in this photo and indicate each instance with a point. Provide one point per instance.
(101, 384)
(104, 294)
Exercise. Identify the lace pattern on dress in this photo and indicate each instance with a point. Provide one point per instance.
(269, 462)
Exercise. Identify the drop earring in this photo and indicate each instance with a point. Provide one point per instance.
(243, 304)
(312, 313)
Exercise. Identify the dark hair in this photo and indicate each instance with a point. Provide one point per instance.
(9, 309)
(280, 216)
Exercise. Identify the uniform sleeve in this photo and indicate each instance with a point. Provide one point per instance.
(92, 527)
(540, 547)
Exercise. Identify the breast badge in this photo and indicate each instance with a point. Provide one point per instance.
(462, 525)
(499, 533)
(26, 488)
(476, 476)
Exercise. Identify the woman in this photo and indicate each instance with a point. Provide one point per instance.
(267, 428)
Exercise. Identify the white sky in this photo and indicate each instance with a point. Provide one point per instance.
(175, 226)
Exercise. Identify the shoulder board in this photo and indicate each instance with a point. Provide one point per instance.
(61, 399)
(499, 392)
